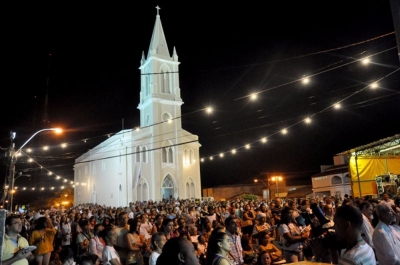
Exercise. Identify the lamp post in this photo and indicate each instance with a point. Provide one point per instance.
(277, 179)
(13, 158)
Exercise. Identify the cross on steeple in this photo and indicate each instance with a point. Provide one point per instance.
(158, 9)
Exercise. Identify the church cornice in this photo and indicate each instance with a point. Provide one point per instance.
(150, 101)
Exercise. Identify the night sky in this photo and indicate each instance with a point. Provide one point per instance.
(227, 51)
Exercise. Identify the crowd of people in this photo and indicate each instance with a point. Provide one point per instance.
(328, 229)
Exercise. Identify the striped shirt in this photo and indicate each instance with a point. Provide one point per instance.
(360, 254)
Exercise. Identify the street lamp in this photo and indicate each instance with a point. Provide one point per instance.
(14, 155)
(277, 179)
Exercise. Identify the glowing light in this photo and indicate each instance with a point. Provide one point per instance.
(209, 110)
(52, 188)
(305, 80)
(137, 129)
(29, 150)
(253, 96)
(58, 177)
(202, 160)
(63, 145)
(374, 85)
(221, 155)
(247, 146)
(365, 61)
(24, 188)
(65, 180)
(307, 120)
(42, 188)
(45, 148)
(284, 131)
(233, 151)
(62, 187)
(30, 160)
(33, 188)
(337, 106)
(264, 139)
(211, 158)
(169, 121)
(49, 173)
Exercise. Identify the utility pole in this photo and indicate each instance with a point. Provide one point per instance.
(11, 166)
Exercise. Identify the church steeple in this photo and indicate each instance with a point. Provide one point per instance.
(158, 44)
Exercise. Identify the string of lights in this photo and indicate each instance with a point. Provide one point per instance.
(253, 96)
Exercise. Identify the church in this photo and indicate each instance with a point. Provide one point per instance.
(159, 160)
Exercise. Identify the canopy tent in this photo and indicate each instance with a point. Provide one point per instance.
(375, 167)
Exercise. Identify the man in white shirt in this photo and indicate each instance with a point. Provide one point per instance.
(366, 229)
(386, 240)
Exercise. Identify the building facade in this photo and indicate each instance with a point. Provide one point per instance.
(333, 180)
(159, 160)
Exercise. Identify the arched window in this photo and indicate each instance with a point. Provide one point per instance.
(137, 152)
(147, 84)
(346, 178)
(164, 155)
(170, 155)
(167, 187)
(167, 152)
(336, 180)
(144, 154)
(142, 190)
(191, 156)
(185, 157)
(165, 87)
(190, 190)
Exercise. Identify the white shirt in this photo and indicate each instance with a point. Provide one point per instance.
(367, 231)
(109, 253)
(387, 244)
(153, 258)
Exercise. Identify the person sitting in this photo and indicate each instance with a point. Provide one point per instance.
(264, 258)
(267, 245)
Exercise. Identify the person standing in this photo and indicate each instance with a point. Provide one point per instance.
(386, 240)
(64, 231)
(43, 237)
(110, 255)
(121, 230)
(354, 250)
(158, 241)
(83, 238)
(235, 239)
(366, 229)
(276, 215)
(218, 250)
(13, 245)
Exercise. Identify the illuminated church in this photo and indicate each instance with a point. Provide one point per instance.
(159, 160)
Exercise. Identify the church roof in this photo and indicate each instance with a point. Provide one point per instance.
(158, 44)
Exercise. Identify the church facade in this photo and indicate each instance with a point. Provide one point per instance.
(159, 160)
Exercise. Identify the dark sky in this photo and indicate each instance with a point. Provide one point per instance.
(227, 50)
